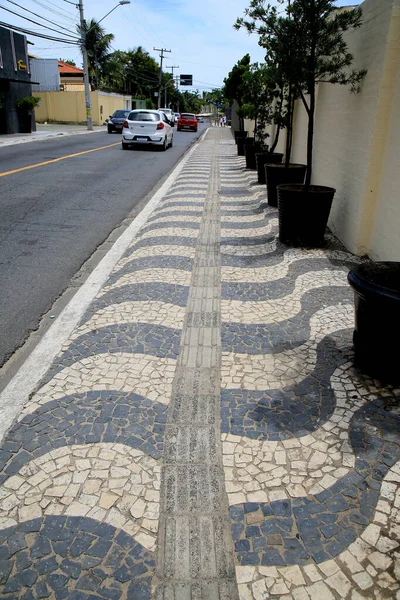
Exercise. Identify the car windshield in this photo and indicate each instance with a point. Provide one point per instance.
(120, 114)
(144, 116)
(187, 116)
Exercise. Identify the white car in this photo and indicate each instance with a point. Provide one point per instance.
(176, 115)
(147, 127)
(170, 114)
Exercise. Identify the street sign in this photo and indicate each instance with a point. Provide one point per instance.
(217, 104)
(186, 80)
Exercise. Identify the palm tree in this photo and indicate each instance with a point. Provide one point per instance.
(97, 43)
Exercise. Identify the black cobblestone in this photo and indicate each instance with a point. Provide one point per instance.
(132, 338)
(293, 411)
(135, 292)
(74, 578)
(93, 417)
(286, 334)
(152, 262)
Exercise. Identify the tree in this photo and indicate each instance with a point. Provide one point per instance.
(322, 55)
(97, 43)
(257, 98)
(132, 72)
(233, 88)
(308, 48)
(68, 62)
(190, 102)
(276, 37)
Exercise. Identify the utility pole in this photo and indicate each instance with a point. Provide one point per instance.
(162, 50)
(172, 69)
(85, 70)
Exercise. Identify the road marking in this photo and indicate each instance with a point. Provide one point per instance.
(54, 160)
(27, 378)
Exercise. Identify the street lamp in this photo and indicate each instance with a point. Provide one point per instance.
(165, 90)
(85, 60)
(120, 3)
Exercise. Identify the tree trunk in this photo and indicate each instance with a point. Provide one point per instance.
(289, 136)
(310, 136)
(274, 145)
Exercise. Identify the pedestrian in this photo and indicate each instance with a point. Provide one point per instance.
(221, 122)
(224, 120)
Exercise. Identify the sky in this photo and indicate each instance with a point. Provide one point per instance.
(200, 35)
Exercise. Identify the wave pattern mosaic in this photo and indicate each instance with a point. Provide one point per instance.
(311, 448)
(81, 469)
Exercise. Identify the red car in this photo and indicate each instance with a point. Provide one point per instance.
(187, 121)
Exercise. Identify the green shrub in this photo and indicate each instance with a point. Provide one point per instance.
(27, 103)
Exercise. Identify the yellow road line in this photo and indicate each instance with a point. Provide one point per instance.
(54, 160)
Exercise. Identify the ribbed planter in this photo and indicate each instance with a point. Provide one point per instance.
(250, 151)
(239, 134)
(303, 214)
(377, 318)
(276, 174)
(262, 159)
(241, 142)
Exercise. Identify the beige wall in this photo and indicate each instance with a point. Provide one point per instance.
(69, 107)
(357, 138)
(353, 135)
(380, 226)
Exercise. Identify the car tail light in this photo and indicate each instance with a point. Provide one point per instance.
(125, 125)
(160, 126)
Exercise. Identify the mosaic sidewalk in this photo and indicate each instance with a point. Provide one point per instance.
(204, 434)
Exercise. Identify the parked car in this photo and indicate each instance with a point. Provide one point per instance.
(187, 121)
(150, 127)
(116, 120)
(170, 115)
(200, 119)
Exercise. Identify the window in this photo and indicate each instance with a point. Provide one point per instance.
(144, 116)
(121, 114)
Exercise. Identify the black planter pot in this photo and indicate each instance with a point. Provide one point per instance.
(278, 174)
(241, 142)
(250, 151)
(25, 122)
(377, 319)
(303, 214)
(239, 134)
(262, 159)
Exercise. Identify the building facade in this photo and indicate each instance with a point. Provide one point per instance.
(15, 78)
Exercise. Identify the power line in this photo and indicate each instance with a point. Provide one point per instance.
(36, 23)
(36, 15)
(150, 30)
(201, 64)
(35, 34)
(133, 24)
(56, 12)
(208, 83)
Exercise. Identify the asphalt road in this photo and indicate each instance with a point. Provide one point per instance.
(55, 215)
